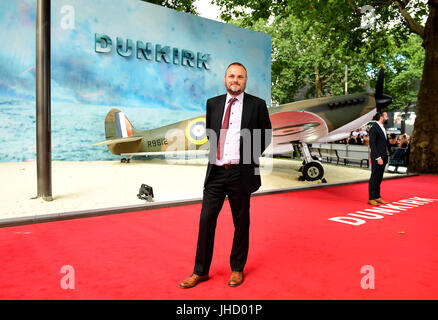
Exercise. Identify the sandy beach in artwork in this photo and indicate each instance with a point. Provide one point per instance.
(79, 186)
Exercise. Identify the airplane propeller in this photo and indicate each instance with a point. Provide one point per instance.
(382, 100)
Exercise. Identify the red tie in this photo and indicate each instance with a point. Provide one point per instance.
(224, 129)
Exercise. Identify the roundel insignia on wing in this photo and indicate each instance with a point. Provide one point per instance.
(196, 132)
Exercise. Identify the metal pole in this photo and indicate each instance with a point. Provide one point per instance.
(43, 111)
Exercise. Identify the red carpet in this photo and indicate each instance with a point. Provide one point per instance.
(295, 251)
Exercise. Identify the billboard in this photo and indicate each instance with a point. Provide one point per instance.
(157, 65)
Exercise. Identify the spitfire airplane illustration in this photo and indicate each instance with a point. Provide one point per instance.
(325, 119)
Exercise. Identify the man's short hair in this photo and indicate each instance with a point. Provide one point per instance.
(236, 64)
(378, 115)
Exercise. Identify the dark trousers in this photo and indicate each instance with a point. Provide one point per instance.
(221, 183)
(377, 172)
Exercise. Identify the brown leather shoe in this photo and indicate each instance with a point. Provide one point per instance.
(373, 203)
(192, 281)
(236, 279)
(380, 200)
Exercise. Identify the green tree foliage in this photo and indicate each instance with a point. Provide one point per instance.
(302, 58)
(404, 72)
(358, 33)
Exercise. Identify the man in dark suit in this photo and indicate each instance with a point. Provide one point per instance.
(380, 150)
(239, 130)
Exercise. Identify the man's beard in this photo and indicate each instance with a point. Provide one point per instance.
(385, 121)
(235, 92)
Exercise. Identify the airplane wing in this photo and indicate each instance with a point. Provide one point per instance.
(289, 126)
(119, 140)
(294, 126)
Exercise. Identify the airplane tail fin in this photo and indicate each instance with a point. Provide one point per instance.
(121, 136)
(382, 100)
(117, 125)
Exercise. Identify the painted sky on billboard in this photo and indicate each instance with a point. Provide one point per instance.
(81, 77)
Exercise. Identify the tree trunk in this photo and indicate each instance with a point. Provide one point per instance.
(318, 83)
(424, 142)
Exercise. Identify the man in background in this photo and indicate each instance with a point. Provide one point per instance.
(380, 150)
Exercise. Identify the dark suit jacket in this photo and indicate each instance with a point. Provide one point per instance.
(254, 116)
(379, 145)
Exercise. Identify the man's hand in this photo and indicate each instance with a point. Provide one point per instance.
(380, 161)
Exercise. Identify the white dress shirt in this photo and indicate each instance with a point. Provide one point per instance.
(383, 129)
(231, 151)
(384, 133)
